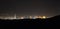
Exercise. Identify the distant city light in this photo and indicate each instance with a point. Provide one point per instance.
(30, 17)
(36, 16)
(40, 17)
(43, 17)
(22, 18)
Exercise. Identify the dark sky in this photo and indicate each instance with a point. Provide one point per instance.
(30, 7)
(7, 7)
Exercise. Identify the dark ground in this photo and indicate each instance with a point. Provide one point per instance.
(53, 22)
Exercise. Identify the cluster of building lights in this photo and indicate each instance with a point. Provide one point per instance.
(35, 17)
(26, 17)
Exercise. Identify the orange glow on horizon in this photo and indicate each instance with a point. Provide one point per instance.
(44, 17)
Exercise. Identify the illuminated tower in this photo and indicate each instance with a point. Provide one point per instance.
(15, 16)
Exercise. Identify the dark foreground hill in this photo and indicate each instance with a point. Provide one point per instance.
(53, 22)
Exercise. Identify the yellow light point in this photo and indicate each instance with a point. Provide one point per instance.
(44, 17)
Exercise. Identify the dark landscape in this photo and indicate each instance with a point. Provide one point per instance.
(53, 22)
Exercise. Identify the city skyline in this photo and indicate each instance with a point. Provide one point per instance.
(23, 17)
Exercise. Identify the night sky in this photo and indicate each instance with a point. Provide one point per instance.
(7, 7)
(30, 7)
